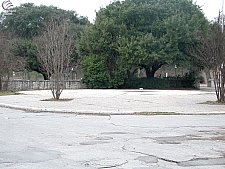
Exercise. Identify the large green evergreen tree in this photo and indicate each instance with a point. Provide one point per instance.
(144, 33)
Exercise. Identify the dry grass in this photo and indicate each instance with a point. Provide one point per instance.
(156, 113)
(213, 103)
(6, 93)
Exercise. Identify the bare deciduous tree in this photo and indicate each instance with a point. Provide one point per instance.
(55, 46)
(8, 62)
(3, 66)
(211, 53)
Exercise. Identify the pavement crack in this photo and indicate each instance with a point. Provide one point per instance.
(114, 166)
(115, 125)
(160, 158)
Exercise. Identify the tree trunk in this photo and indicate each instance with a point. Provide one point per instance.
(208, 76)
(207, 73)
(150, 72)
(222, 92)
(57, 94)
(129, 75)
(0, 83)
(44, 73)
(45, 76)
(222, 85)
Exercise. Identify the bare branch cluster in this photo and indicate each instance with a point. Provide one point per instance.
(8, 62)
(55, 46)
(211, 54)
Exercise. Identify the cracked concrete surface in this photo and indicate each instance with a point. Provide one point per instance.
(38, 138)
(52, 141)
(117, 101)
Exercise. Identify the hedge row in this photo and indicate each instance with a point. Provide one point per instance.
(159, 83)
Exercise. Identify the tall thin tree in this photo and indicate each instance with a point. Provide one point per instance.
(55, 46)
(211, 54)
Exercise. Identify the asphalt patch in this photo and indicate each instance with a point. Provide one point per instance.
(93, 143)
(203, 162)
(147, 159)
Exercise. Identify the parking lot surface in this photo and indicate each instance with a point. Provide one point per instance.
(98, 129)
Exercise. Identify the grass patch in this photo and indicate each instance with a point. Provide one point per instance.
(60, 100)
(155, 113)
(213, 103)
(6, 93)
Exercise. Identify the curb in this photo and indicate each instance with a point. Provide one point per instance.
(100, 113)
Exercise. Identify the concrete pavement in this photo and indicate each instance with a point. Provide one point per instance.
(117, 101)
(69, 141)
(39, 138)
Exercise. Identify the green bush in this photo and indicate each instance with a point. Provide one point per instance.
(97, 75)
(95, 72)
(187, 81)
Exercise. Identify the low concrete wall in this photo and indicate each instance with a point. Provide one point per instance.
(19, 85)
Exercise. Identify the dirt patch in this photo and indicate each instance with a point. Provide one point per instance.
(59, 100)
(219, 138)
(156, 113)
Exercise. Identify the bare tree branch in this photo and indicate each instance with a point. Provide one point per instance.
(8, 62)
(211, 53)
(55, 47)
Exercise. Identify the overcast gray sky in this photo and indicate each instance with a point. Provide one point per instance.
(88, 7)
